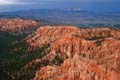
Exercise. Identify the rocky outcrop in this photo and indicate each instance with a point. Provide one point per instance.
(46, 35)
(76, 69)
(17, 26)
(76, 54)
(64, 53)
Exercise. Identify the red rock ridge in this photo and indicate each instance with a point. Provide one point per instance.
(47, 34)
(77, 54)
(17, 26)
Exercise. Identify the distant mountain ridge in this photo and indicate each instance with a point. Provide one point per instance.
(72, 16)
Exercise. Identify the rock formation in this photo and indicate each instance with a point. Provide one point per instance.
(17, 26)
(76, 54)
(60, 53)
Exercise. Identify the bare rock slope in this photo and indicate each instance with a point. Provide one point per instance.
(72, 53)
(17, 26)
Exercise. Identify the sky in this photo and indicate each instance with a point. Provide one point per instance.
(94, 5)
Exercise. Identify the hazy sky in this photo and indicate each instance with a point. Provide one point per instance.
(96, 5)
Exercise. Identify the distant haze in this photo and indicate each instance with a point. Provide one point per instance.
(94, 5)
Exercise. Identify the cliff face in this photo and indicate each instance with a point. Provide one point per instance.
(73, 53)
(17, 26)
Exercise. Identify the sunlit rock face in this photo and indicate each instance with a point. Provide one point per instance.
(59, 52)
(17, 26)
(73, 53)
